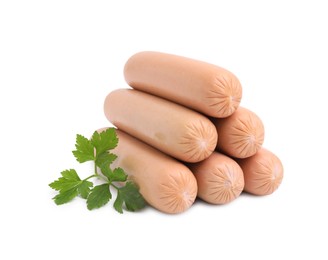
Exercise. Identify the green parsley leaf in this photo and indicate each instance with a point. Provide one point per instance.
(66, 196)
(105, 159)
(69, 180)
(84, 149)
(118, 204)
(130, 195)
(99, 196)
(107, 172)
(84, 188)
(104, 141)
(69, 186)
(70, 175)
(63, 184)
(119, 175)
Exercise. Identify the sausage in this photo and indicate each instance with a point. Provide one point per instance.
(240, 135)
(204, 87)
(171, 128)
(263, 172)
(219, 178)
(165, 183)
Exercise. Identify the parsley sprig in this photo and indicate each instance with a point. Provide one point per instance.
(97, 149)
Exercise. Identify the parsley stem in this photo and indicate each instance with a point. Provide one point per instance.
(91, 176)
(96, 172)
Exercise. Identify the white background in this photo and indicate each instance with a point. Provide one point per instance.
(58, 61)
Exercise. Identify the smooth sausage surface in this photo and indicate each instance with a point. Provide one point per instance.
(219, 178)
(240, 135)
(171, 128)
(263, 172)
(204, 87)
(165, 183)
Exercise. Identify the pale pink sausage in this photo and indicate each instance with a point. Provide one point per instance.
(165, 183)
(201, 86)
(240, 135)
(263, 172)
(220, 180)
(171, 128)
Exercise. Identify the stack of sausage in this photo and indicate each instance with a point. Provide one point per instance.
(183, 134)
